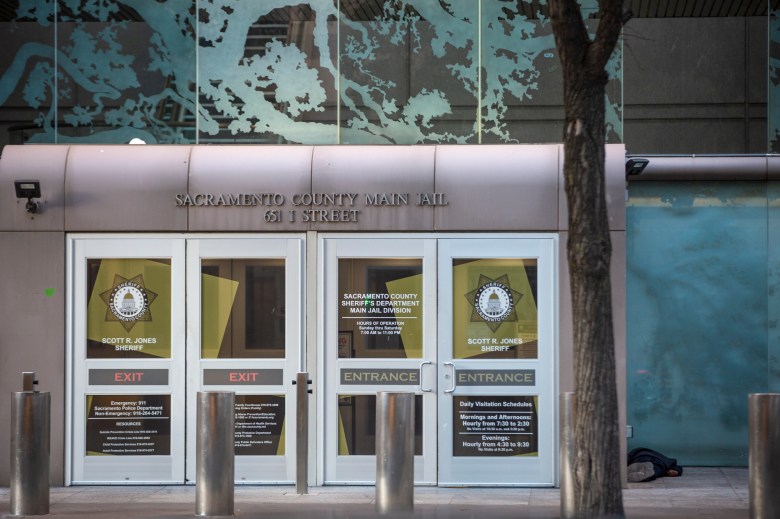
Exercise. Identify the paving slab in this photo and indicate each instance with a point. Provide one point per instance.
(715, 493)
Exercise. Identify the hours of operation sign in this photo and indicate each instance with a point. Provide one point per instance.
(495, 426)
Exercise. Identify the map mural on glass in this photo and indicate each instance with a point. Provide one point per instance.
(281, 71)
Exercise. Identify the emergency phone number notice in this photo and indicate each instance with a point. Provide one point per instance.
(128, 425)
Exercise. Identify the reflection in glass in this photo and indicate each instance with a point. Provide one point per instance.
(408, 71)
(266, 73)
(773, 85)
(357, 425)
(289, 71)
(124, 73)
(242, 308)
(380, 308)
(128, 308)
(494, 310)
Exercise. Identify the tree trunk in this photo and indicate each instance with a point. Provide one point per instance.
(597, 491)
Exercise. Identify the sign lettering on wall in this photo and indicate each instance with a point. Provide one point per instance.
(311, 207)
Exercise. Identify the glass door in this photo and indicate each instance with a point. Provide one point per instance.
(497, 349)
(244, 334)
(126, 349)
(379, 308)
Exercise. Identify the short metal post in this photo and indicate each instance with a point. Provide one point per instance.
(566, 453)
(215, 453)
(394, 452)
(302, 433)
(764, 455)
(30, 447)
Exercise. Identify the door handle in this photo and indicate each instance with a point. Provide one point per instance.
(422, 387)
(452, 389)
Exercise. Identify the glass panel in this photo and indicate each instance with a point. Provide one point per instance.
(242, 308)
(495, 426)
(408, 71)
(521, 81)
(357, 425)
(267, 74)
(27, 72)
(697, 316)
(494, 314)
(260, 422)
(380, 308)
(773, 286)
(129, 308)
(128, 425)
(125, 73)
(773, 85)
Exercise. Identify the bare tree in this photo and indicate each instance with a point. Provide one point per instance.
(597, 489)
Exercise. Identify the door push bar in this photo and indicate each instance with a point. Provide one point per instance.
(452, 389)
(422, 386)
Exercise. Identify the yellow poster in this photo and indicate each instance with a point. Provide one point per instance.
(129, 308)
(494, 308)
(217, 297)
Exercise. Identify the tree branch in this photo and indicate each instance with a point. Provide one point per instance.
(607, 33)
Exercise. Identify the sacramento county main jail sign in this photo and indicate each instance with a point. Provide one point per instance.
(310, 207)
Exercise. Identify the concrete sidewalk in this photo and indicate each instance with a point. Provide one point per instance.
(720, 493)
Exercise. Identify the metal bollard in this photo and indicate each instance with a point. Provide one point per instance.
(302, 433)
(215, 456)
(394, 452)
(30, 447)
(764, 455)
(566, 451)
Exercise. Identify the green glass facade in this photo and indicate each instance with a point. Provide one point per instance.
(702, 304)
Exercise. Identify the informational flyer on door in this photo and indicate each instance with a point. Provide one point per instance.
(129, 308)
(259, 425)
(128, 425)
(494, 312)
(495, 426)
(380, 308)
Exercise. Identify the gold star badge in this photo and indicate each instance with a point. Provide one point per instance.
(493, 302)
(128, 301)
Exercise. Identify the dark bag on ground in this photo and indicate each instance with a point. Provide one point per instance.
(662, 465)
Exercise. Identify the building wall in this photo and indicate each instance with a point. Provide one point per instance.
(32, 331)
(696, 85)
(78, 197)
